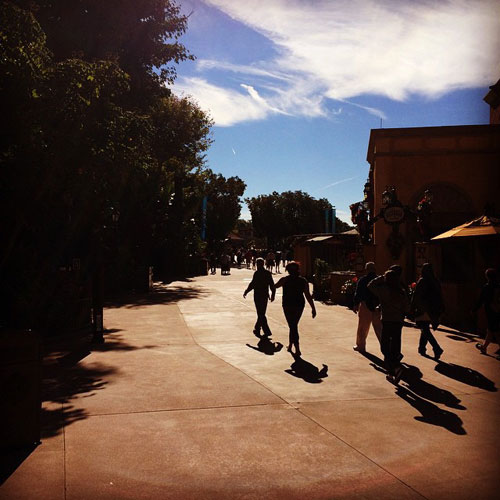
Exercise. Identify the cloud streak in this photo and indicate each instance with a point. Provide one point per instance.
(337, 50)
(336, 183)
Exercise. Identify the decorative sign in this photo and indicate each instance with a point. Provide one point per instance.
(393, 215)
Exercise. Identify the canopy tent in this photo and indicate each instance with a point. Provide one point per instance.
(482, 226)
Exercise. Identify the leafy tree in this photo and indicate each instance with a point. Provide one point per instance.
(92, 130)
(223, 204)
(278, 216)
(141, 36)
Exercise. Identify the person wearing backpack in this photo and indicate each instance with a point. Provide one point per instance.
(490, 299)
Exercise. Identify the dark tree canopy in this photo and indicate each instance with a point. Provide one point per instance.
(90, 131)
(140, 35)
(223, 204)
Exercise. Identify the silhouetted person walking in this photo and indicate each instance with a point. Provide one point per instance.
(490, 299)
(213, 263)
(261, 283)
(365, 305)
(426, 307)
(295, 288)
(394, 305)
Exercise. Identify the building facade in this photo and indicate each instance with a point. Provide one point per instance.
(422, 182)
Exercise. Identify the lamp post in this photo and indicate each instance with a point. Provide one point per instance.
(97, 283)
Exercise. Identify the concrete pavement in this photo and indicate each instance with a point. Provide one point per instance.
(183, 401)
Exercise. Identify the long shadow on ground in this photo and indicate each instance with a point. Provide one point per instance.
(266, 346)
(301, 368)
(419, 394)
(65, 378)
(465, 375)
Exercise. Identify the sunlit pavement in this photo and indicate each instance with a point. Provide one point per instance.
(183, 401)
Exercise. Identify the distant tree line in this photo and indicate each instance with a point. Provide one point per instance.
(99, 161)
(278, 216)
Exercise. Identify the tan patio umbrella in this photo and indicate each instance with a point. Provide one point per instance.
(482, 226)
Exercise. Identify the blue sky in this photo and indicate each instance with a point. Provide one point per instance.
(294, 86)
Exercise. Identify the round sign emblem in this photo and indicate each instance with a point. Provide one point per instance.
(394, 214)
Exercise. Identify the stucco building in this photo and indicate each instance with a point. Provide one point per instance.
(422, 182)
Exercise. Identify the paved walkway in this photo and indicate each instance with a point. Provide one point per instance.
(182, 402)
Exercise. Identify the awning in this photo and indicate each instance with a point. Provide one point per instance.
(482, 226)
(319, 238)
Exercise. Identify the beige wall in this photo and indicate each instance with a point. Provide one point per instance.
(462, 159)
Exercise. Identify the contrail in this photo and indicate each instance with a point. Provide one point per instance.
(338, 182)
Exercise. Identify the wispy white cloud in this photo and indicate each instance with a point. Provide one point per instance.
(346, 48)
(336, 183)
(226, 106)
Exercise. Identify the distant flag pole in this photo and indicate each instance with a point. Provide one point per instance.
(204, 218)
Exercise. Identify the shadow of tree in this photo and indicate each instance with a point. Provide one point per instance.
(11, 459)
(465, 375)
(432, 414)
(160, 294)
(66, 378)
(266, 346)
(301, 368)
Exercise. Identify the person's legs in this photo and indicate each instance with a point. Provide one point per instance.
(377, 324)
(385, 339)
(364, 320)
(435, 345)
(396, 356)
(425, 333)
(261, 308)
(492, 331)
(292, 315)
(391, 344)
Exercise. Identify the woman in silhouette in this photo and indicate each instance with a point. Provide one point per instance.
(295, 293)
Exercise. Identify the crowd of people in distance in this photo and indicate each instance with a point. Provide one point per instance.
(273, 259)
(382, 302)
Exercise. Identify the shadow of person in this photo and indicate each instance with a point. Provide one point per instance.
(465, 375)
(412, 376)
(301, 368)
(432, 414)
(374, 359)
(266, 346)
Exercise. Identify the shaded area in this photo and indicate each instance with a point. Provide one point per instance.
(266, 346)
(66, 378)
(465, 375)
(432, 414)
(11, 459)
(159, 295)
(301, 368)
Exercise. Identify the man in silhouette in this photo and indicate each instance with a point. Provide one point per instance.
(261, 283)
(366, 307)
